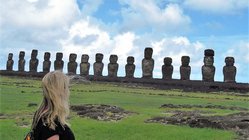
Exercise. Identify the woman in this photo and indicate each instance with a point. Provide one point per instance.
(49, 121)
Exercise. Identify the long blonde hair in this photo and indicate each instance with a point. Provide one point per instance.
(55, 104)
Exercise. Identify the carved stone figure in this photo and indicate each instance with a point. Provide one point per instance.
(21, 61)
(185, 69)
(167, 68)
(208, 69)
(33, 63)
(148, 63)
(59, 63)
(98, 65)
(10, 62)
(84, 65)
(72, 64)
(46, 62)
(130, 67)
(229, 70)
(113, 66)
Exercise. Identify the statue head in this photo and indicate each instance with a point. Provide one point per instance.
(10, 56)
(46, 56)
(208, 60)
(59, 56)
(113, 59)
(84, 58)
(185, 61)
(148, 53)
(21, 55)
(167, 61)
(130, 60)
(99, 57)
(34, 54)
(209, 57)
(72, 57)
(229, 61)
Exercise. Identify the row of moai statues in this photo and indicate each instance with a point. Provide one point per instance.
(167, 68)
(208, 69)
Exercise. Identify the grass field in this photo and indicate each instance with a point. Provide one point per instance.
(17, 93)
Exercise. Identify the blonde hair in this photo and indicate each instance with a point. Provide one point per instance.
(55, 104)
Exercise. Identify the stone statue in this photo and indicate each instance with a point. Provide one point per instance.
(33, 63)
(21, 61)
(208, 69)
(130, 67)
(46, 62)
(229, 70)
(185, 69)
(72, 64)
(98, 65)
(148, 63)
(10, 62)
(59, 63)
(167, 68)
(113, 66)
(84, 65)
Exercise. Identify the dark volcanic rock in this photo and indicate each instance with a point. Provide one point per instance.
(204, 106)
(238, 122)
(101, 112)
(32, 104)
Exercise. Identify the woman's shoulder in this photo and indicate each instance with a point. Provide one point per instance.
(43, 124)
(62, 130)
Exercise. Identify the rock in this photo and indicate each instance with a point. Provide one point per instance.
(32, 104)
(238, 122)
(101, 112)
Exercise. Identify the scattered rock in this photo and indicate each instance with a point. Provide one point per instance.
(78, 79)
(101, 112)
(32, 104)
(204, 106)
(238, 122)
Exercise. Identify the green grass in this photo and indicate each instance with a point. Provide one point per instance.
(17, 93)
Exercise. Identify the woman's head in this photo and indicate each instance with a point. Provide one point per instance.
(55, 87)
(55, 104)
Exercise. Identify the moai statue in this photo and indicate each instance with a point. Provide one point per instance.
(59, 63)
(33, 63)
(98, 65)
(46, 62)
(21, 61)
(208, 69)
(113, 66)
(167, 68)
(229, 70)
(84, 65)
(130, 67)
(10, 62)
(185, 69)
(148, 63)
(72, 64)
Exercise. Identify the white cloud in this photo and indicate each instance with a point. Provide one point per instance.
(137, 14)
(123, 45)
(35, 24)
(81, 30)
(217, 6)
(37, 14)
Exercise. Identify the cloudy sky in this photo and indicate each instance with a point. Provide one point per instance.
(173, 28)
